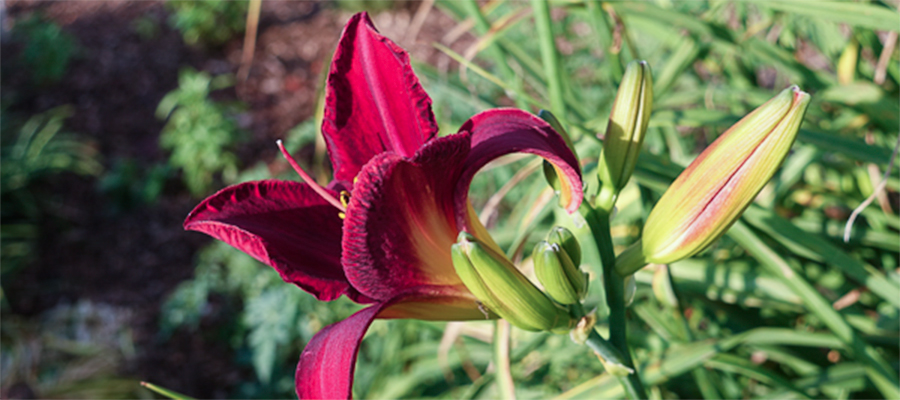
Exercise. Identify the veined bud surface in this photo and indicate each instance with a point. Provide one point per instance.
(500, 287)
(556, 263)
(706, 199)
(627, 125)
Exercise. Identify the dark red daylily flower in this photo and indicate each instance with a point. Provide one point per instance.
(389, 244)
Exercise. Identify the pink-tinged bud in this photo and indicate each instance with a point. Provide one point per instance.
(718, 186)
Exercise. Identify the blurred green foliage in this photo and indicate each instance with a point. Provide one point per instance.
(129, 185)
(74, 351)
(744, 324)
(31, 152)
(47, 48)
(199, 132)
(209, 22)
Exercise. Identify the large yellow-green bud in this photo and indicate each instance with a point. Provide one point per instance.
(625, 131)
(500, 287)
(556, 263)
(718, 186)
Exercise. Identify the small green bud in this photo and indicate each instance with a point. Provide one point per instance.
(566, 239)
(556, 263)
(561, 278)
(500, 287)
(625, 131)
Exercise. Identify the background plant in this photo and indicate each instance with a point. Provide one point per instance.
(47, 49)
(211, 22)
(726, 323)
(30, 153)
(199, 131)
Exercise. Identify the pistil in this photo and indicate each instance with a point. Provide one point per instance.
(340, 205)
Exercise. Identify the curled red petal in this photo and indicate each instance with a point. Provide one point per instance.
(326, 366)
(374, 102)
(503, 131)
(283, 224)
(406, 213)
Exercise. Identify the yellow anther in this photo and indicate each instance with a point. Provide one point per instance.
(342, 215)
(345, 198)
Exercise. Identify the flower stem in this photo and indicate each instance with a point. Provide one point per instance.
(598, 221)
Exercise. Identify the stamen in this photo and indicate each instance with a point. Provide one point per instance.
(309, 180)
(345, 198)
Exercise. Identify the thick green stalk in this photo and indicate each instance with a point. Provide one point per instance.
(549, 57)
(598, 221)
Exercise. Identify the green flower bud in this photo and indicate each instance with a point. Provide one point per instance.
(625, 131)
(718, 186)
(556, 264)
(500, 287)
(566, 239)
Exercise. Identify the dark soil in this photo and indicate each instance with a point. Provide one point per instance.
(92, 248)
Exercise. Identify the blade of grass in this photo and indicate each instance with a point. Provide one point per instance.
(485, 74)
(550, 58)
(854, 14)
(665, 16)
(494, 51)
(732, 363)
(676, 64)
(501, 360)
(165, 392)
(604, 36)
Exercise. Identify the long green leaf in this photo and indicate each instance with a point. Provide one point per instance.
(844, 12)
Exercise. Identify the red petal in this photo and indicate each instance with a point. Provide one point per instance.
(326, 366)
(374, 102)
(400, 226)
(503, 131)
(283, 224)
(405, 214)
